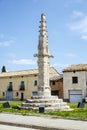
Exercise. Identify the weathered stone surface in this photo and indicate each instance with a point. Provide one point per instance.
(52, 103)
(44, 91)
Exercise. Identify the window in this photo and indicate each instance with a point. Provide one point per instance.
(22, 86)
(17, 93)
(34, 93)
(53, 82)
(74, 80)
(55, 92)
(10, 87)
(35, 83)
(3, 93)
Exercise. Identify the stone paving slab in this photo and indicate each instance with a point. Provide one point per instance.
(43, 123)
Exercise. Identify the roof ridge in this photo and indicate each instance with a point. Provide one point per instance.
(76, 67)
(18, 71)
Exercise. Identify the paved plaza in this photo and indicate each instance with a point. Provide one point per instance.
(42, 123)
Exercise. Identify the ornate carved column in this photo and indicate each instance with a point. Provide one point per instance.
(43, 55)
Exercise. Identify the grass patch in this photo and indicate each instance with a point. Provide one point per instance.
(77, 113)
(14, 108)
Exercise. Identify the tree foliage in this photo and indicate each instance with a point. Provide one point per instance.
(3, 69)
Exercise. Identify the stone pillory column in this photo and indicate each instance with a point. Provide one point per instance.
(44, 91)
(43, 55)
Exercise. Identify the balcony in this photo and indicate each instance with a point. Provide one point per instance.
(22, 87)
(10, 88)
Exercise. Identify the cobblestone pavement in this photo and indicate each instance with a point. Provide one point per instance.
(43, 123)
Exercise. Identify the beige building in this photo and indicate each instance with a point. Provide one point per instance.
(75, 83)
(20, 85)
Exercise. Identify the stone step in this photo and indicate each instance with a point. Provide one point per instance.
(44, 100)
(49, 103)
(50, 108)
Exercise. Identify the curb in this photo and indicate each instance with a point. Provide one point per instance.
(29, 126)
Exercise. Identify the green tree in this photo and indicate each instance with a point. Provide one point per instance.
(3, 69)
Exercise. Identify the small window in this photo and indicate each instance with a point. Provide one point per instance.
(34, 93)
(3, 93)
(22, 85)
(55, 92)
(35, 83)
(74, 80)
(53, 82)
(17, 93)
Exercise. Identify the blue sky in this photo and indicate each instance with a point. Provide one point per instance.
(19, 25)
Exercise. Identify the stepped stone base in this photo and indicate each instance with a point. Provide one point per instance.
(49, 103)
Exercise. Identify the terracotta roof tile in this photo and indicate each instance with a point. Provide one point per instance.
(27, 72)
(78, 67)
(56, 78)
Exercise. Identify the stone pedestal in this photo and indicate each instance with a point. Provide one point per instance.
(51, 103)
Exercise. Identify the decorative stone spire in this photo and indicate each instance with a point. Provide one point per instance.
(43, 55)
(44, 97)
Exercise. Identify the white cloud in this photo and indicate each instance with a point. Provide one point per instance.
(77, 14)
(60, 66)
(70, 2)
(23, 62)
(7, 43)
(70, 55)
(84, 37)
(79, 25)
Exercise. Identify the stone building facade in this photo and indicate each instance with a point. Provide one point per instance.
(75, 83)
(20, 85)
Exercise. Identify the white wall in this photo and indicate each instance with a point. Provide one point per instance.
(68, 85)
